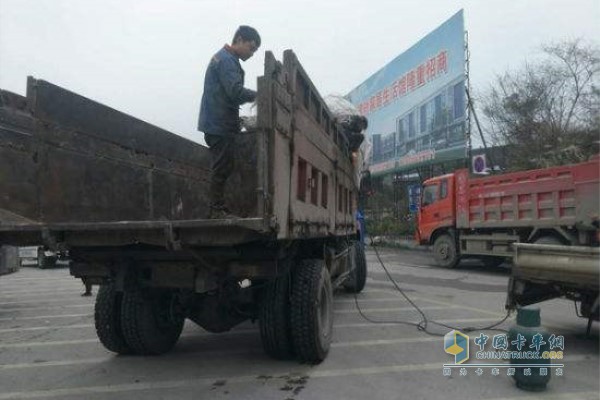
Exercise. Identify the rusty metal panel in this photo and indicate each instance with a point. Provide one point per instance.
(274, 123)
(311, 138)
(281, 181)
(64, 108)
(170, 234)
(65, 158)
(18, 161)
(73, 167)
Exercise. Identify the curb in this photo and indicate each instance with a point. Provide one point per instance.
(405, 245)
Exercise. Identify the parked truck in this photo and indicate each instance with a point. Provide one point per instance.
(545, 220)
(129, 202)
(482, 217)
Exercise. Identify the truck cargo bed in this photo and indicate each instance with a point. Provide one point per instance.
(77, 172)
(70, 164)
(565, 195)
(170, 234)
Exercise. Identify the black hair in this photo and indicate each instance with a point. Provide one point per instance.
(247, 34)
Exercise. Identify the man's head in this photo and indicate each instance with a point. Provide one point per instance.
(245, 42)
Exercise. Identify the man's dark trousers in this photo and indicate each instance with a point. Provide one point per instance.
(221, 153)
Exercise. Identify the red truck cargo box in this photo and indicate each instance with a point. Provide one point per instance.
(565, 195)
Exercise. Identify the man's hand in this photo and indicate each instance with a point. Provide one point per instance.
(248, 124)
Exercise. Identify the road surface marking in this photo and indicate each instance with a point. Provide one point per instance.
(383, 342)
(418, 297)
(46, 328)
(361, 343)
(50, 343)
(58, 306)
(241, 331)
(365, 300)
(7, 281)
(277, 375)
(365, 310)
(351, 311)
(37, 293)
(15, 319)
(216, 352)
(74, 296)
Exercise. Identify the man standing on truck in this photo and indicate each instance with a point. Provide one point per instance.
(219, 119)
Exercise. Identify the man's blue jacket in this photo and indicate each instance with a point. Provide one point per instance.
(224, 92)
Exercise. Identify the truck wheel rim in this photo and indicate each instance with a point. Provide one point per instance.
(443, 251)
(324, 311)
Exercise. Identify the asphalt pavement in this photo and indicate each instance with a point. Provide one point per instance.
(49, 349)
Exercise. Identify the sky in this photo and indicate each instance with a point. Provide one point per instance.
(148, 58)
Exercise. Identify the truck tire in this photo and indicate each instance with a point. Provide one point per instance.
(358, 277)
(107, 318)
(312, 311)
(274, 319)
(150, 324)
(445, 252)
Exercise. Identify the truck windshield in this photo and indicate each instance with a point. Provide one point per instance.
(429, 194)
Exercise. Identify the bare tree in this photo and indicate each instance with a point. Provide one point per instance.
(547, 111)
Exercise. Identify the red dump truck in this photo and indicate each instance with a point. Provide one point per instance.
(129, 202)
(462, 216)
(546, 220)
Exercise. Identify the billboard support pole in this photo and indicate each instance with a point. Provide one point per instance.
(467, 87)
(472, 108)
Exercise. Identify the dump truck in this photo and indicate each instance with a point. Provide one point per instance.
(546, 221)
(129, 202)
(462, 216)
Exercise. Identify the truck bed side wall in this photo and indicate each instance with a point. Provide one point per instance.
(311, 175)
(558, 196)
(65, 158)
